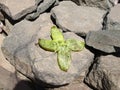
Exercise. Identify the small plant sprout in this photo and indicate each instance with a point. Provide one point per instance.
(62, 47)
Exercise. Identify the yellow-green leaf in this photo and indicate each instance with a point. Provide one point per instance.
(75, 45)
(64, 59)
(56, 34)
(49, 45)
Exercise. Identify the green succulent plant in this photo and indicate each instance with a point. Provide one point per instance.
(61, 46)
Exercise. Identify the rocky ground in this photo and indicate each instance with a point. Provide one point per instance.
(26, 66)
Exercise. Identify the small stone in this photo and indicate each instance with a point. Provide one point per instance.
(105, 73)
(107, 40)
(40, 9)
(16, 6)
(113, 18)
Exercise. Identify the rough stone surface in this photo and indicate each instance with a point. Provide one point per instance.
(19, 12)
(8, 74)
(107, 40)
(74, 86)
(3, 62)
(51, 72)
(19, 47)
(18, 5)
(1, 17)
(105, 73)
(103, 4)
(41, 8)
(6, 71)
(113, 18)
(78, 19)
(8, 26)
(31, 8)
(32, 61)
(6, 78)
(23, 23)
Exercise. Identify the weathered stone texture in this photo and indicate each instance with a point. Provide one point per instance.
(78, 19)
(105, 74)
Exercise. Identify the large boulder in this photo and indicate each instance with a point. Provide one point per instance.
(113, 19)
(22, 51)
(107, 40)
(102, 4)
(105, 73)
(51, 73)
(78, 19)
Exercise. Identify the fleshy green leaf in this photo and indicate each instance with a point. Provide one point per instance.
(75, 45)
(64, 59)
(62, 47)
(49, 45)
(56, 34)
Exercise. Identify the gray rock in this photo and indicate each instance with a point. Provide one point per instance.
(78, 19)
(105, 73)
(9, 81)
(41, 8)
(8, 26)
(46, 67)
(5, 9)
(103, 4)
(6, 77)
(3, 62)
(20, 5)
(113, 18)
(18, 41)
(16, 13)
(77, 85)
(24, 13)
(37, 2)
(2, 18)
(32, 61)
(107, 40)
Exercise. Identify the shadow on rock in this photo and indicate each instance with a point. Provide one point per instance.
(24, 85)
